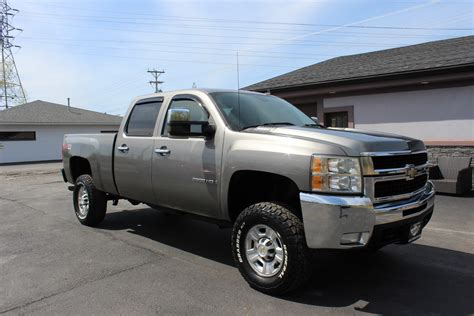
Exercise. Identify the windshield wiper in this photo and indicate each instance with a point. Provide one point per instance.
(268, 124)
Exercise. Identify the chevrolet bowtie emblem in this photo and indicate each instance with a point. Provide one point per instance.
(411, 172)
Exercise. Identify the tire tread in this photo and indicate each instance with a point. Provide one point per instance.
(293, 231)
(97, 202)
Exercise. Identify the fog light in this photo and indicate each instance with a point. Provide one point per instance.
(359, 239)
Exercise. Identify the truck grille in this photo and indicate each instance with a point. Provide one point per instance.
(399, 161)
(400, 186)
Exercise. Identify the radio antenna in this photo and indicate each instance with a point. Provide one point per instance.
(238, 88)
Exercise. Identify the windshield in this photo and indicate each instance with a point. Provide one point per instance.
(258, 109)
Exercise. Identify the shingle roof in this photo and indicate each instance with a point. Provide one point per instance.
(427, 56)
(47, 113)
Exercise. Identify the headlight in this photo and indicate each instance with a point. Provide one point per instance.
(335, 174)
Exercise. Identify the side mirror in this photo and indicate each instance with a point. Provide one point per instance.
(179, 124)
(315, 119)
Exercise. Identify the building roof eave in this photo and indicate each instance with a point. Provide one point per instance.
(451, 74)
(432, 55)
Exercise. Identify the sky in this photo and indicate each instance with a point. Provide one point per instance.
(98, 52)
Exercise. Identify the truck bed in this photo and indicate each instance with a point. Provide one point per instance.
(98, 149)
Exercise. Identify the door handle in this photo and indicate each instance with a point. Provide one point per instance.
(124, 148)
(163, 151)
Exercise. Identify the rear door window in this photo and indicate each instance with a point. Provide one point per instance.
(143, 117)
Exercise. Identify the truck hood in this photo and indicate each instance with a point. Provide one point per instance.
(352, 141)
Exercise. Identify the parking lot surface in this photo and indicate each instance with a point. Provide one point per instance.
(143, 261)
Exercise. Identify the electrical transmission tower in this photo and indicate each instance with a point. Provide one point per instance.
(156, 82)
(12, 92)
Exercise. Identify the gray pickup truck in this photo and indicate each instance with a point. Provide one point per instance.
(254, 162)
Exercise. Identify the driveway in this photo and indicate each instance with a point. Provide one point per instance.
(143, 261)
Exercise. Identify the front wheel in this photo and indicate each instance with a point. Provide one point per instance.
(90, 204)
(269, 248)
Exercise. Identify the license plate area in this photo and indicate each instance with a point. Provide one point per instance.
(399, 232)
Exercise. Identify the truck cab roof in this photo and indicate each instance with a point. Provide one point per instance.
(191, 91)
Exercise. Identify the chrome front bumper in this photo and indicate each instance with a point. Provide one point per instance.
(341, 222)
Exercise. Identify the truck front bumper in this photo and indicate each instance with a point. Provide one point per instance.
(342, 222)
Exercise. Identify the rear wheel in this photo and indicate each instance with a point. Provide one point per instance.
(90, 204)
(270, 249)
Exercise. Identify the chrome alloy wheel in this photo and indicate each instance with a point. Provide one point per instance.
(83, 202)
(264, 250)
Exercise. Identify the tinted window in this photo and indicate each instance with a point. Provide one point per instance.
(143, 118)
(196, 112)
(242, 110)
(17, 136)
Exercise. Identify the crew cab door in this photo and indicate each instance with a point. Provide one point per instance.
(186, 170)
(134, 151)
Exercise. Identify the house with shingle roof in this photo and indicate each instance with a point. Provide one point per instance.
(34, 131)
(424, 91)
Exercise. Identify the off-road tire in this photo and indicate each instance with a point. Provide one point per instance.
(97, 201)
(296, 269)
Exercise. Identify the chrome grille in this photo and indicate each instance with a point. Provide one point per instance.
(394, 176)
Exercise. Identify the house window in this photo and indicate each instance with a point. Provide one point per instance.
(17, 136)
(336, 119)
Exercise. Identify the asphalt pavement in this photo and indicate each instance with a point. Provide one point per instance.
(144, 261)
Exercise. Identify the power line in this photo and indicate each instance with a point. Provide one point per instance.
(291, 40)
(227, 36)
(12, 92)
(274, 54)
(181, 60)
(299, 56)
(168, 25)
(164, 43)
(233, 21)
(357, 23)
(296, 39)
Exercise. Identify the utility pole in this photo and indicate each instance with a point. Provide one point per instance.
(11, 89)
(156, 73)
